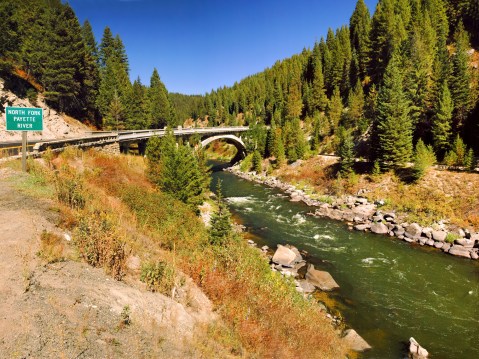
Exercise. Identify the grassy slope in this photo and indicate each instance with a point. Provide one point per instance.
(264, 315)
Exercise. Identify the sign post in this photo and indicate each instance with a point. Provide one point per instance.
(24, 119)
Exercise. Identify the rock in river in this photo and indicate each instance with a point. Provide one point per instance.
(284, 256)
(320, 279)
(379, 228)
(354, 341)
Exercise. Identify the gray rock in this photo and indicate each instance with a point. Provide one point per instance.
(399, 231)
(361, 201)
(474, 255)
(390, 215)
(464, 242)
(438, 244)
(379, 228)
(358, 219)
(416, 351)
(284, 256)
(439, 236)
(320, 279)
(354, 341)
(377, 218)
(306, 286)
(460, 251)
(409, 240)
(427, 232)
(430, 242)
(413, 231)
(362, 227)
(446, 247)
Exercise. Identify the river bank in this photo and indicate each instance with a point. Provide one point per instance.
(362, 215)
(389, 290)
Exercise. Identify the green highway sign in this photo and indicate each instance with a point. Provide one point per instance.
(24, 118)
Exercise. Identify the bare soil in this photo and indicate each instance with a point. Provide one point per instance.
(71, 310)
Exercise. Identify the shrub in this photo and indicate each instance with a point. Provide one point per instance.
(257, 162)
(247, 163)
(158, 276)
(51, 247)
(423, 159)
(100, 243)
(69, 188)
(451, 237)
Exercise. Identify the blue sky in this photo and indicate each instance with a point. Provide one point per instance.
(202, 45)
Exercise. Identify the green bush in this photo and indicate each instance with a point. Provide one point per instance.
(423, 159)
(69, 188)
(159, 276)
(247, 163)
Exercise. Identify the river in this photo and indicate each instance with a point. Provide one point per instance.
(390, 291)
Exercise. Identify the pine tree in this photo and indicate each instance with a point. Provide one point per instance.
(159, 103)
(345, 151)
(394, 127)
(360, 27)
(106, 47)
(221, 229)
(91, 73)
(335, 109)
(355, 114)
(461, 78)
(175, 169)
(442, 125)
(137, 104)
(257, 162)
(115, 117)
(319, 99)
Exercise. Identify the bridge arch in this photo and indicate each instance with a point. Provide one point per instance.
(232, 139)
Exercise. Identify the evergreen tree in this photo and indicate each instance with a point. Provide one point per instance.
(394, 127)
(138, 107)
(423, 159)
(345, 151)
(160, 112)
(221, 229)
(441, 128)
(175, 169)
(335, 109)
(360, 27)
(319, 99)
(106, 47)
(460, 82)
(355, 114)
(115, 117)
(257, 162)
(91, 73)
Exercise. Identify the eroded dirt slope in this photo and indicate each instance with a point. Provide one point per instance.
(71, 310)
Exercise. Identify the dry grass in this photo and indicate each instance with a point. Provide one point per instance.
(264, 315)
(51, 247)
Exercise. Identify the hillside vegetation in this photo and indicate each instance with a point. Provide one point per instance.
(115, 215)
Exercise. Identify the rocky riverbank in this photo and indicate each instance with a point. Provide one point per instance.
(361, 215)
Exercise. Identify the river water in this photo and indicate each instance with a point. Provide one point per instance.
(390, 291)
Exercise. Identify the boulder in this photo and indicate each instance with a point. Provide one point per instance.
(414, 230)
(320, 279)
(379, 228)
(460, 251)
(446, 247)
(361, 201)
(305, 286)
(377, 218)
(464, 242)
(439, 236)
(284, 256)
(362, 227)
(427, 232)
(474, 255)
(354, 341)
(438, 244)
(399, 231)
(416, 351)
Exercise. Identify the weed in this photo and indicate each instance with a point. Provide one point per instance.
(451, 237)
(159, 276)
(51, 247)
(69, 188)
(125, 319)
(100, 243)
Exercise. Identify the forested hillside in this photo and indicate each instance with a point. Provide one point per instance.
(372, 88)
(407, 72)
(42, 41)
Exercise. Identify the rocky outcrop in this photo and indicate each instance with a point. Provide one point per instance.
(416, 351)
(284, 256)
(354, 341)
(320, 279)
(363, 215)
